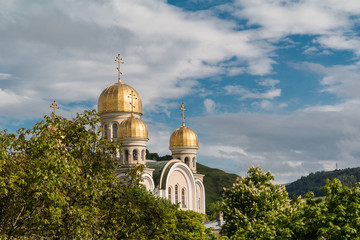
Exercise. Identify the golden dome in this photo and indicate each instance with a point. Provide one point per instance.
(116, 98)
(184, 137)
(133, 127)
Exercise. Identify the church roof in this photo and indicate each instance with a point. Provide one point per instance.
(133, 127)
(161, 170)
(183, 136)
(115, 98)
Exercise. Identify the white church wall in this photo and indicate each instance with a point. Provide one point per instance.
(181, 175)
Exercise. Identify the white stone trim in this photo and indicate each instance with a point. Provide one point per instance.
(148, 176)
(197, 181)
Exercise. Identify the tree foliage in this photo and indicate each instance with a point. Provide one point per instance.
(213, 210)
(255, 208)
(336, 216)
(57, 180)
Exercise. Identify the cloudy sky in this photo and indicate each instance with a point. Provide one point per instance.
(266, 82)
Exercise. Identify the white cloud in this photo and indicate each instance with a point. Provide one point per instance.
(348, 105)
(244, 93)
(209, 105)
(333, 23)
(222, 151)
(340, 80)
(269, 105)
(269, 82)
(341, 42)
(159, 43)
(8, 97)
(159, 136)
(298, 143)
(5, 76)
(302, 17)
(265, 104)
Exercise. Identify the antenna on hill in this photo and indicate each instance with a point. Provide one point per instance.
(336, 167)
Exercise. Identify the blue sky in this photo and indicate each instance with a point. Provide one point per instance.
(268, 83)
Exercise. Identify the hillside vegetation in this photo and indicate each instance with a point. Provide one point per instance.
(214, 181)
(315, 181)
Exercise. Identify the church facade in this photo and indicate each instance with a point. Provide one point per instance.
(177, 180)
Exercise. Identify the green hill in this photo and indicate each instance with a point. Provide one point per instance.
(214, 181)
(315, 181)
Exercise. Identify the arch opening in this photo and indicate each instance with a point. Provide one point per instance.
(105, 131)
(135, 155)
(169, 194)
(176, 194)
(126, 156)
(114, 130)
(183, 198)
(187, 161)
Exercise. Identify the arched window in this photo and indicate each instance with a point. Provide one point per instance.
(169, 194)
(135, 155)
(176, 194)
(183, 201)
(126, 156)
(194, 162)
(143, 155)
(121, 157)
(105, 131)
(114, 130)
(187, 161)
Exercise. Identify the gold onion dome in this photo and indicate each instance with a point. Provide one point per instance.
(184, 137)
(133, 127)
(115, 99)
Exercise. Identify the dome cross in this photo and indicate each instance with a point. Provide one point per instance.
(132, 97)
(183, 109)
(119, 60)
(54, 106)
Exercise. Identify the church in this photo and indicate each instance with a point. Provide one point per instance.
(177, 180)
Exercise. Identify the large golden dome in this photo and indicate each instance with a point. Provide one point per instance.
(184, 137)
(133, 127)
(116, 98)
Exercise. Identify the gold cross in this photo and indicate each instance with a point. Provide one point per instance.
(118, 59)
(54, 106)
(182, 108)
(132, 97)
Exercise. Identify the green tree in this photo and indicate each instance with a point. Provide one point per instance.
(256, 208)
(214, 209)
(52, 176)
(188, 226)
(57, 180)
(337, 216)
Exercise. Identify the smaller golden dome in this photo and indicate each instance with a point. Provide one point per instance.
(115, 98)
(184, 137)
(133, 127)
